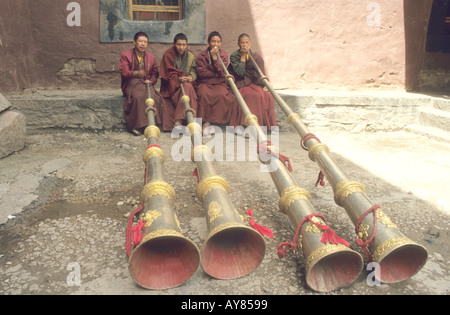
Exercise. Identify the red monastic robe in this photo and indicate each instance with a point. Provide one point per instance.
(135, 90)
(216, 101)
(260, 102)
(173, 67)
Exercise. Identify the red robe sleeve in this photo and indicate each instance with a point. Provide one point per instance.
(211, 72)
(125, 66)
(152, 72)
(169, 74)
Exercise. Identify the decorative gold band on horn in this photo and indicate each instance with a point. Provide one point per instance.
(157, 187)
(345, 188)
(290, 194)
(153, 152)
(185, 99)
(388, 245)
(293, 117)
(212, 182)
(315, 149)
(194, 128)
(250, 120)
(197, 152)
(152, 131)
(159, 233)
(222, 227)
(149, 102)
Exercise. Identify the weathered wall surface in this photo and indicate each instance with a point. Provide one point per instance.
(322, 44)
(333, 44)
(17, 47)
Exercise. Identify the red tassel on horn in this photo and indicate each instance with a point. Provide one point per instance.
(261, 229)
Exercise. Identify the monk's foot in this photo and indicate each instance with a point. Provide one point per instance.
(177, 123)
(208, 129)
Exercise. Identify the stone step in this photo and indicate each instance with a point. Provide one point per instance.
(430, 116)
(12, 132)
(4, 103)
(347, 109)
(442, 103)
(430, 132)
(86, 109)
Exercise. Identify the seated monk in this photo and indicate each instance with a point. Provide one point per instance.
(259, 101)
(137, 68)
(177, 67)
(215, 100)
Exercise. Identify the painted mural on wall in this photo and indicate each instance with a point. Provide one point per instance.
(160, 19)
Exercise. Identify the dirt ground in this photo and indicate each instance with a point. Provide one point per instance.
(66, 197)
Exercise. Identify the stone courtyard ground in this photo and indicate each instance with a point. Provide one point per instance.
(65, 199)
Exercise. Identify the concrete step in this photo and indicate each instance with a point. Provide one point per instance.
(442, 103)
(430, 132)
(347, 109)
(78, 109)
(431, 116)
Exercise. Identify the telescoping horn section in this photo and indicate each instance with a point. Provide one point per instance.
(330, 264)
(163, 258)
(399, 258)
(332, 267)
(232, 249)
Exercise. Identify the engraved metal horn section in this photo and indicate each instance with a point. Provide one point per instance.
(232, 249)
(399, 257)
(164, 258)
(330, 265)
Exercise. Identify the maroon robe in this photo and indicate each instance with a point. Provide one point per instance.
(216, 101)
(259, 102)
(135, 90)
(173, 109)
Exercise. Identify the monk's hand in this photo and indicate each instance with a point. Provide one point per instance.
(214, 52)
(190, 79)
(243, 54)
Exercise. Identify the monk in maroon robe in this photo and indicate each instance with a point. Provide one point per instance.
(259, 101)
(137, 68)
(177, 67)
(215, 100)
